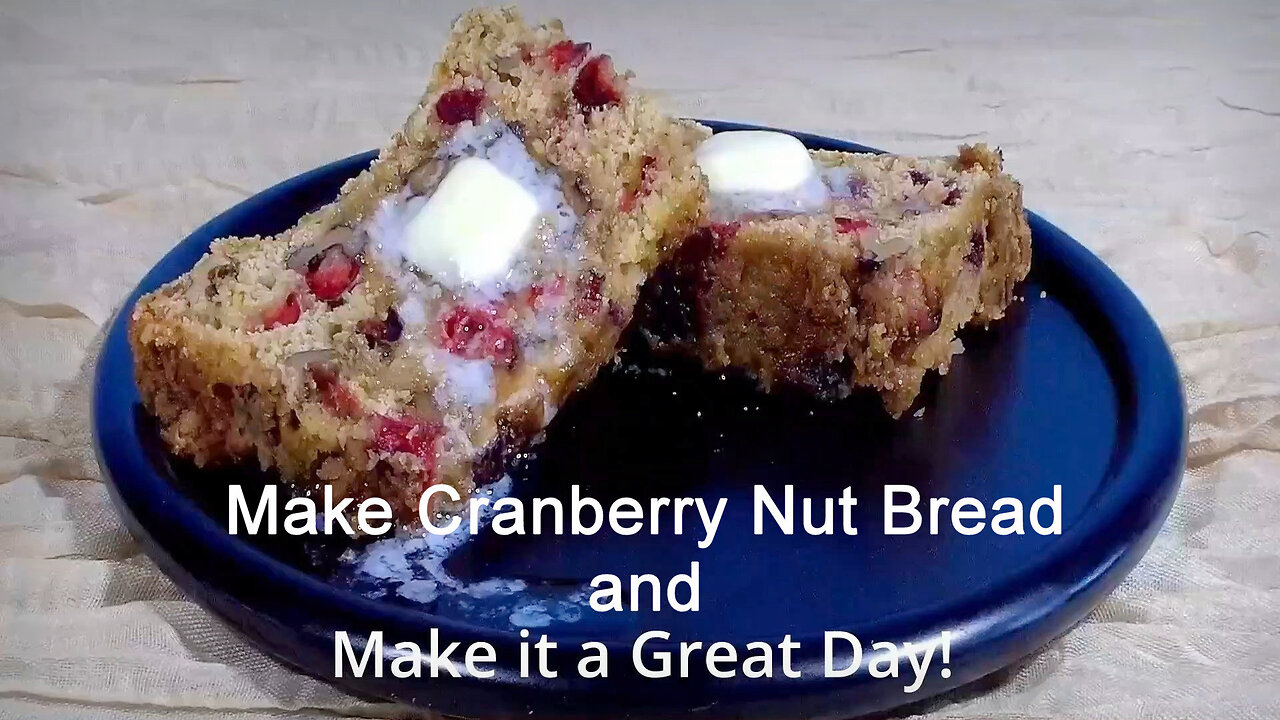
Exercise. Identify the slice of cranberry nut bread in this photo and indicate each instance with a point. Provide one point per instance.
(836, 270)
(433, 318)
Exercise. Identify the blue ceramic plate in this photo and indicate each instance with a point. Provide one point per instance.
(1075, 388)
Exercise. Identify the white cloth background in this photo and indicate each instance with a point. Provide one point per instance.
(1150, 130)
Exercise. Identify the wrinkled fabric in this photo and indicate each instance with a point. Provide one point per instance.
(1148, 131)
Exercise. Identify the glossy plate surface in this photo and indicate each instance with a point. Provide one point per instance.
(1076, 388)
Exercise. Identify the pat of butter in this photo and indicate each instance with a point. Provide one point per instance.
(754, 161)
(472, 226)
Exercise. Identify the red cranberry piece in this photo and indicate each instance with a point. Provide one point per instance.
(919, 178)
(565, 54)
(589, 298)
(287, 314)
(597, 84)
(333, 393)
(330, 274)
(478, 332)
(926, 323)
(851, 225)
(406, 435)
(457, 105)
(541, 293)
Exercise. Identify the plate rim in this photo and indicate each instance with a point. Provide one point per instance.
(1096, 552)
